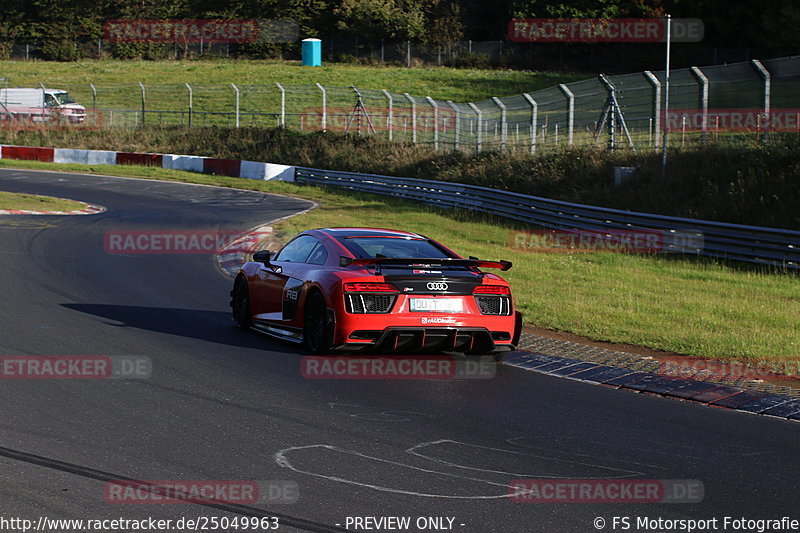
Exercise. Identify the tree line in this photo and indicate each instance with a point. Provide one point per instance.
(59, 24)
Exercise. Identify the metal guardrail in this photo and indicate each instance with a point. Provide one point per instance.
(753, 244)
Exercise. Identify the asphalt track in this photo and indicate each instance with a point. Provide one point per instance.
(223, 404)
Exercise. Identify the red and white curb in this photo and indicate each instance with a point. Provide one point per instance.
(206, 165)
(231, 258)
(88, 210)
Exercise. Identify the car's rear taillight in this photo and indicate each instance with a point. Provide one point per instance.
(496, 290)
(493, 299)
(369, 297)
(369, 287)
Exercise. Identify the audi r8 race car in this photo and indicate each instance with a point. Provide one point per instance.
(378, 290)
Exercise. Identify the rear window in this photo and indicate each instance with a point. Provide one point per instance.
(369, 247)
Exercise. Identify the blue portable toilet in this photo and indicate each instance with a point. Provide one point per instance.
(312, 53)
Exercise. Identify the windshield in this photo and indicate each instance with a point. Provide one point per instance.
(64, 98)
(370, 247)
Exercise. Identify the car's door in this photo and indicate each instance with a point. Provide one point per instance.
(271, 280)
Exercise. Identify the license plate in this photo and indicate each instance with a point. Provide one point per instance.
(437, 305)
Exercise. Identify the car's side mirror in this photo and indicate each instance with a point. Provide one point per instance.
(262, 256)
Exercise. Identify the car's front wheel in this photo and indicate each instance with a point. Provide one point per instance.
(316, 331)
(240, 302)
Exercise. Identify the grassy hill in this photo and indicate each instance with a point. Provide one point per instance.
(459, 85)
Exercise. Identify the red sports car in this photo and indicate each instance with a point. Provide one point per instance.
(378, 290)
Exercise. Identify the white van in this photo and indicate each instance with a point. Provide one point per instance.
(40, 105)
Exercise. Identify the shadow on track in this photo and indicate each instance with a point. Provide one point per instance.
(211, 326)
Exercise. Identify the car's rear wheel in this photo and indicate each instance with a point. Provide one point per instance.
(241, 304)
(316, 332)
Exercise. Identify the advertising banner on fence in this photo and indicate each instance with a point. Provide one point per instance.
(199, 30)
(536, 30)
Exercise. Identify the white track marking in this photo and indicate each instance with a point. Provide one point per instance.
(282, 459)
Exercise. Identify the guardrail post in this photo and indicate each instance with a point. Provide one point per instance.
(390, 116)
(235, 88)
(143, 101)
(570, 112)
(191, 103)
(413, 117)
(457, 140)
(767, 92)
(503, 133)
(534, 113)
(435, 107)
(324, 107)
(283, 104)
(703, 81)
(480, 126)
(656, 106)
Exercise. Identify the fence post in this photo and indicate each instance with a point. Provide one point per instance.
(143, 101)
(480, 126)
(390, 117)
(235, 88)
(324, 108)
(703, 81)
(457, 142)
(534, 116)
(413, 117)
(767, 92)
(283, 104)
(44, 98)
(502, 107)
(191, 103)
(656, 106)
(435, 107)
(612, 118)
(570, 111)
(94, 102)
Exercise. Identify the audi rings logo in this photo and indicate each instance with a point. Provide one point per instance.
(437, 286)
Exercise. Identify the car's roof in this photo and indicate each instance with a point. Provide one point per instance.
(367, 232)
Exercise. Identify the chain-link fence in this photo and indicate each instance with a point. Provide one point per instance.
(622, 112)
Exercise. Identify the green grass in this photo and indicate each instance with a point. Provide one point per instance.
(459, 85)
(693, 306)
(32, 202)
(117, 98)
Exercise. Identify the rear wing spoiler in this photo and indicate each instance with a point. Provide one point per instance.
(425, 262)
